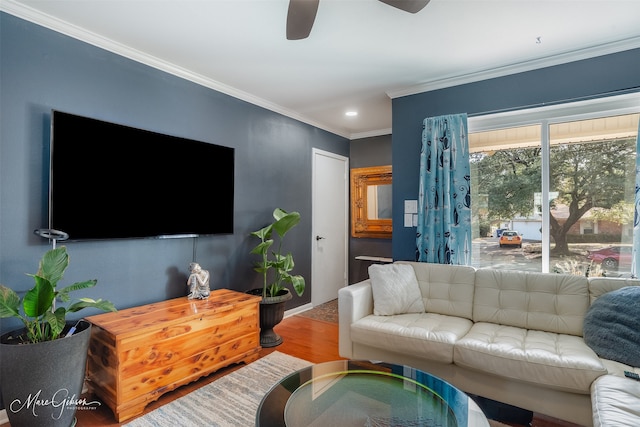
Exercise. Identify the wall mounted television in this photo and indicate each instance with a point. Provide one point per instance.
(110, 181)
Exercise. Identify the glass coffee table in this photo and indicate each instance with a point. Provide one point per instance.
(360, 393)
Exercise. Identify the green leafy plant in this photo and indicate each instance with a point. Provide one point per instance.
(42, 320)
(281, 264)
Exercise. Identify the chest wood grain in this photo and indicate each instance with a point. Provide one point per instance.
(140, 353)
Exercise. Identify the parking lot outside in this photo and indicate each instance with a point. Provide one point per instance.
(487, 253)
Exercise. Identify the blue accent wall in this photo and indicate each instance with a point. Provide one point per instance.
(41, 70)
(579, 79)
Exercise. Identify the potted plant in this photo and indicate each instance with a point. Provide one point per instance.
(43, 364)
(274, 291)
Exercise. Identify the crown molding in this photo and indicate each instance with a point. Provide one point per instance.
(32, 15)
(370, 134)
(592, 52)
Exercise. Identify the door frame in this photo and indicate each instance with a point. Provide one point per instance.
(317, 152)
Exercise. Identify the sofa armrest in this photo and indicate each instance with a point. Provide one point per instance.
(354, 303)
(615, 401)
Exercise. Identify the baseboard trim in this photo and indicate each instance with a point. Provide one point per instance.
(298, 310)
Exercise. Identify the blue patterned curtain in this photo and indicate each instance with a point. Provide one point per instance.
(444, 201)
(635, 262)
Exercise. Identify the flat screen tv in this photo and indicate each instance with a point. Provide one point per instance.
(109, 181)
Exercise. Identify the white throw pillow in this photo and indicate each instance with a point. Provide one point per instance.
(395, 289)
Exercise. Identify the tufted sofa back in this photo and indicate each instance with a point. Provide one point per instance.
(540, 301)
(446, 289)
(599, 286)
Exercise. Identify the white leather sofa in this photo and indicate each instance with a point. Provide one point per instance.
(510, 336)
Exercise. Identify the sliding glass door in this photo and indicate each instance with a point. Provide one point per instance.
(506, 173)
(592, 174)
(555, 194)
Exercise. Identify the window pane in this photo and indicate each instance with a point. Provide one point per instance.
(592, 175)
(506, 207)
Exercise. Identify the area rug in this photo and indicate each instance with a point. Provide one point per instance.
(229, 401)
(327, 312)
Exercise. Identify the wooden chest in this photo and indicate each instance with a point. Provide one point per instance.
(138, 354)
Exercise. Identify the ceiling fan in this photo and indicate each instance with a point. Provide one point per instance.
(302, 13)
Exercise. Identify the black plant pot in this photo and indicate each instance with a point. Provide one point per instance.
(42, 382)
(271, 313)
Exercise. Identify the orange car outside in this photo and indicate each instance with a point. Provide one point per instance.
(510, 238)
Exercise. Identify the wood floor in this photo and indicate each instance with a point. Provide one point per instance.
(306, 338)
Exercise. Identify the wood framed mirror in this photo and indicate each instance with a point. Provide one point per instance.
(371, 202)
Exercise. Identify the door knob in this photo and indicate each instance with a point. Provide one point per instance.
(319, 237)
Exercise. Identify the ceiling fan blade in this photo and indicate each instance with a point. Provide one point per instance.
(411, 6)
(300, 18)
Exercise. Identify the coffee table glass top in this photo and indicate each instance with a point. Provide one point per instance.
(359, 393)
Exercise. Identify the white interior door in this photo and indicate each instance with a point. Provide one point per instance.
(330, 226)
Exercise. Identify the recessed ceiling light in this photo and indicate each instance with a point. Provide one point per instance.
(351, 113)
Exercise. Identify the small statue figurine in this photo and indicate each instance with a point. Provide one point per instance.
(198, 282)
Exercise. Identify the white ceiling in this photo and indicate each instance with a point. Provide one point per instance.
(360, 54)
